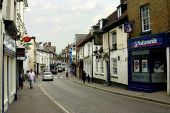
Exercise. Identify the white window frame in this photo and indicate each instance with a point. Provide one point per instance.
(97, 66)
(102, 67)
(145, 18)
(114, 39)
(89, 49)
(119, 12)
(114, 66)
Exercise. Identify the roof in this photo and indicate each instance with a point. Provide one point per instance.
(113, 20)
(85, 40)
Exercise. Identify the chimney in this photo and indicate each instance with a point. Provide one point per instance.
(49, 44)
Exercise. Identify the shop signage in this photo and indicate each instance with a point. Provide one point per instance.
(146, 42)
(128, 27)
(9, 43)
(20, 53)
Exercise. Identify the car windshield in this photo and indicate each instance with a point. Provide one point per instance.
(47, 73)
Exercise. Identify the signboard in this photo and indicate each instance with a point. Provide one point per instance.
(128, 27)
(9, 43)
(98, 39)
(147, 41)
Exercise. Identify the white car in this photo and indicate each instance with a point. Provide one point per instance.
(47, 76)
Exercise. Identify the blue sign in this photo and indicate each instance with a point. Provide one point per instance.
(128, 27)
(147, 41)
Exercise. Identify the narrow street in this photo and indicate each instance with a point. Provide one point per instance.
(81, 99)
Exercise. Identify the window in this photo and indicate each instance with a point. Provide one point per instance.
(145, 18)
(114, 66)
(119, 12)
(96, 66)
(89, 49)
(102, 67)
(114, 41)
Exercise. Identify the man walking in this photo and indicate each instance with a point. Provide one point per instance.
(31, 78)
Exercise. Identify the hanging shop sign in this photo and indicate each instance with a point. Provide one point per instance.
(20, 54)
(27, 39)
(128, 27)
(9, 43)
(147, 41)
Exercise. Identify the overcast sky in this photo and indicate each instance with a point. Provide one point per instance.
(58, 21)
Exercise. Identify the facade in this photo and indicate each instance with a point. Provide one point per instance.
(8, 35)
(32, 54)
(43, 60)
(149, 45)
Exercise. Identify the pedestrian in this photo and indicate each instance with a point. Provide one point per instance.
(31, 78)
(27, 75)
(84, 76)
(88, 78)
(21, 78)
(67, 73)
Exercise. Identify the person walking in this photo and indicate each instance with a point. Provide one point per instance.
(31, 78)
(67, 73)
(21, 78)
(84, 76)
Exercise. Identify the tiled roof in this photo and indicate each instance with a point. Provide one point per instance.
(84, 40)
(112, 19)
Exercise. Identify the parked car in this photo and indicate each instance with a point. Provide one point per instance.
(47, 76)
(60, 69)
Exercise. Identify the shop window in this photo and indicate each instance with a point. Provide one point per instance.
(140, 67)
(140, 63)
(159, 69)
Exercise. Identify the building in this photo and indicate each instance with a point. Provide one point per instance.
(115, 63)
(148, 46)
(32, 54)
(9, 35)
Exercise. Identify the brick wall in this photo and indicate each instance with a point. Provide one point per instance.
(158, 12)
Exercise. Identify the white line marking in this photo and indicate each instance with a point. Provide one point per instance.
(58, 104)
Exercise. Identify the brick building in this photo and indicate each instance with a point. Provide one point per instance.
(149, 45)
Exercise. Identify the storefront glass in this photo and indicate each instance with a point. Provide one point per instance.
(140, 67)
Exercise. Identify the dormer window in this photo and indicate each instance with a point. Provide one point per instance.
(119, 12)
(121, 9)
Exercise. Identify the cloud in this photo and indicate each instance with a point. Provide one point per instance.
(59, 20)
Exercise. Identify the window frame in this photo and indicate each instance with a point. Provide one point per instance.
(114, 40)
(114, 66)
(145, 18)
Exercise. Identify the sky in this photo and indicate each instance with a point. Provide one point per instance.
(58, 21)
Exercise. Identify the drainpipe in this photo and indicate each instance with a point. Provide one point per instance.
(3, 74)
(108, 78)
(92, 62)
(15, 98)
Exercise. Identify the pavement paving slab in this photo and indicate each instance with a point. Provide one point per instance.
(33, 101)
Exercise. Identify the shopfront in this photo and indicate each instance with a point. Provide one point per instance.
(147, 68)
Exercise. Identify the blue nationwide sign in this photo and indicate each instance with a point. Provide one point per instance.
(146, 41)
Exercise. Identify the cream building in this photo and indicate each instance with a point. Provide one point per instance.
(32, 54)
(8, 37)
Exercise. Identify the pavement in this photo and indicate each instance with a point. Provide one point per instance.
(37, 101)
(33, 101)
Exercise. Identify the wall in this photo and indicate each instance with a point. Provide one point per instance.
(122, 53)
(158, 8)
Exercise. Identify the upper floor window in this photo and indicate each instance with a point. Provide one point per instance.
(145, 17)
(88, 49)
(114, 41)
(119, 12)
